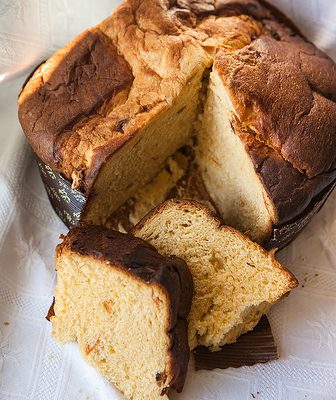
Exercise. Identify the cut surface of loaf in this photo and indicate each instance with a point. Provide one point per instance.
(235, 280)
(180, 178)
(227, 169)
(126, 306)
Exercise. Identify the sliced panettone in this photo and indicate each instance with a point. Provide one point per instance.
(126, 306)
(109, 108)
(236, 281)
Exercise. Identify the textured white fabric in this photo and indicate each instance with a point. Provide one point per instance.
(32, 365)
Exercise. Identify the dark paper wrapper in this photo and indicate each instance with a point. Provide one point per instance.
(67, 202)
(285, 234)
(254, 347)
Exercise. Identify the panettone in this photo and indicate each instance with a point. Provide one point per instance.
(126, 306)
(108, 109)
(236, 281)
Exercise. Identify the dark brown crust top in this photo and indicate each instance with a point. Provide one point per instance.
(83, 79)
(61, 108)
(284, 234)
(141, 260)
(283, 92)
(285, 89)
(291, 191)
(225, 8)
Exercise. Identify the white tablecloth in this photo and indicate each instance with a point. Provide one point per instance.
(32, 365)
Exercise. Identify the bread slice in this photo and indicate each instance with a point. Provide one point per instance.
(126, 306)
(236, 281)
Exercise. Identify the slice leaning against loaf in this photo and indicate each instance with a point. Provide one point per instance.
(126, 306)
(236, 281)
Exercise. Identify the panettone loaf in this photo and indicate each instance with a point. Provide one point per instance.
(235, 280)
(109, 108)
(126, 306)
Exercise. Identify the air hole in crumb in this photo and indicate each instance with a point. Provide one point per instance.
(250, 265)
(120, 125)
(181, 109)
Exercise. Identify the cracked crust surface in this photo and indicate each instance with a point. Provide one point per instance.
(71, 89)
(283, 91)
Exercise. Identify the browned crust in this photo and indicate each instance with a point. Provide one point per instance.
(142, 261)
(225, 8)
(277, 14)
(292, 192)
(86, 76)
(211, 215)
(287, 125)
(51, 311)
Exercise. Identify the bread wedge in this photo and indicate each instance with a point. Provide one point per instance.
(236, 281)
(126, 306)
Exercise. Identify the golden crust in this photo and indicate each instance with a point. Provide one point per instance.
(155, 48)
